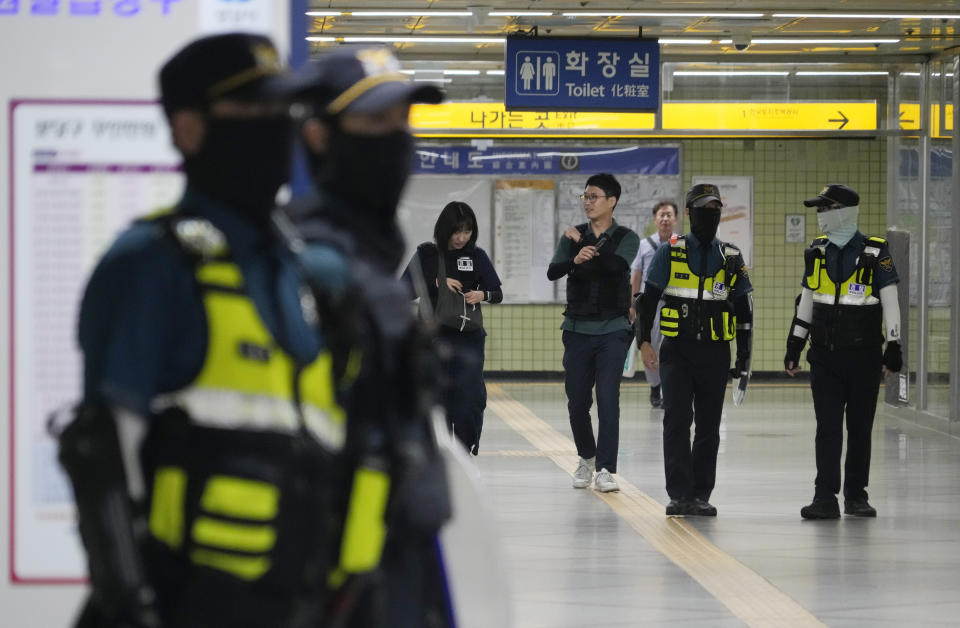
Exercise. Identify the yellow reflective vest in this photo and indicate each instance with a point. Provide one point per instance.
(699, 307)
(255, 454)
(847, 313)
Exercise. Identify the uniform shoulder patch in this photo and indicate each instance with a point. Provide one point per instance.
(886, 263)
(200, 237)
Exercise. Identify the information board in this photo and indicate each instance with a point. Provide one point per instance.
(80, 173)
(578, 74)
(524, 215)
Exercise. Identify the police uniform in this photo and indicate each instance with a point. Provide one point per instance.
(840, 311)
(596, 335)
(197, 328)
(706, 304)
(381, 358)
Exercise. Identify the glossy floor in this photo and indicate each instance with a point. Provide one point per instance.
(576, 558)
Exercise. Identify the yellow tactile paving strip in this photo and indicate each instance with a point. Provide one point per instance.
(746, 594)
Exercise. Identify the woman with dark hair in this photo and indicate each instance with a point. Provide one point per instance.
(454, 263)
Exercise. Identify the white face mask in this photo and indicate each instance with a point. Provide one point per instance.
(839, 225)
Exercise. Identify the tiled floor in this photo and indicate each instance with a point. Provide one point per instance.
(577, 559)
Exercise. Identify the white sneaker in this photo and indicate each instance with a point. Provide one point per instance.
(584, 473)
(605, 482)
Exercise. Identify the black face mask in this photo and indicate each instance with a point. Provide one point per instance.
(703, 223)
(243, 162)
(367, 171)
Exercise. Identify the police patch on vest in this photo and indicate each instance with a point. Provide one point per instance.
(465, 263)
(886, 263)
(682, 275)
(253, 352)
(857, 290)
(720, 289)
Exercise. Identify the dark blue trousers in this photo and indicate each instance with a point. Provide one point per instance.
(844, 383)
(595, 362)
(465, 398)
(694, 375)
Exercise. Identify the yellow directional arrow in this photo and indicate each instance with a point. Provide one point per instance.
(909, 118)
(771, 116)
(465, 119)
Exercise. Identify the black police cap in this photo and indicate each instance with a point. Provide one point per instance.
(240, 66)
(361, 79)
(701, 194)
(834, 194)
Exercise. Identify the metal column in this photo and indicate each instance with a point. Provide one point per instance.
(955, 254)
(922, 255)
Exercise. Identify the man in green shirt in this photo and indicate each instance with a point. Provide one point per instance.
(595, 257)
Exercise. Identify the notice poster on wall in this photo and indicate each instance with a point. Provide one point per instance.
(736, 219)
(81, 172)
(523, 238)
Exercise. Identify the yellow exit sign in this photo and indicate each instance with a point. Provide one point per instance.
(493, 120)
(909, 119)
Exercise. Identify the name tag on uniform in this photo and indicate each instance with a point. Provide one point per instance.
(720, 289)
(254, 352)
(856, 289)
(465, 263)
(682, 275)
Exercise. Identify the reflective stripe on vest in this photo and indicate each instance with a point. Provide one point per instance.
(684, 285)
(851, 291)
(248, 382)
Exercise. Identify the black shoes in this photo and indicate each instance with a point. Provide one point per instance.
(822, 508)
(702, 508)
(676, 508)
(656, 401)
(858, 508)
(691, 507)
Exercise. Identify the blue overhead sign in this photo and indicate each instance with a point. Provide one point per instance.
(547, 160)
(582, 74)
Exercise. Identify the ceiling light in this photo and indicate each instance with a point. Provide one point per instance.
(841, 73)
(692, 42)
(432, 80)
(427, 13)
(496, 72)
(658, 14)
(519, 13)
(461, 72)
(730, 73)
(324, 13)
(320, 38)
(425, 39)
(845, 42)
(878, 16)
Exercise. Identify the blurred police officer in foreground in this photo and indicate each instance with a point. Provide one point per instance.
(849, 295)
(595, 258)
(354, 125)
(706, 303)
(202, 455)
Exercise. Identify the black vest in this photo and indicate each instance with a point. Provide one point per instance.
(592, 294)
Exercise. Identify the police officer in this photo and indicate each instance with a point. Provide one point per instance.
(706, 303)
(202, 456)
(595, 257)
(354, 126)
(849, 294)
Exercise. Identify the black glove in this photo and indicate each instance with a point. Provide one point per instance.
(893, 357)
(741, 367)
(795, 346)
